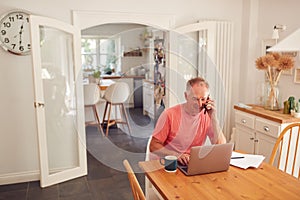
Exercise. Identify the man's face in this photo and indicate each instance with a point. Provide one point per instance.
(196, 98)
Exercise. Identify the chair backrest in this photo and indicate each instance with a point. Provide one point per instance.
(285, 151)
(117, 92)
(135, 186)
(91, 94)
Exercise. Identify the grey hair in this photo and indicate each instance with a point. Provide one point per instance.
(194, 81)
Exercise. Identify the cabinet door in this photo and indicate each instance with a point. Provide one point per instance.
(148, 99)
(264, 145)
(245, 140)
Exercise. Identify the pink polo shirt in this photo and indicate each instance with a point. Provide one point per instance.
(179, 131)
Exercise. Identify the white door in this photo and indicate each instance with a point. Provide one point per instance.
(58, 100)
(193, 49)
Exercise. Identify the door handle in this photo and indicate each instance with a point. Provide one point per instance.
(39, 105)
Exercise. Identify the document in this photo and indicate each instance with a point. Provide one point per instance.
(245, 161)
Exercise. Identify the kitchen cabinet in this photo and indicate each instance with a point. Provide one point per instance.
(257, 129)
(148, 98)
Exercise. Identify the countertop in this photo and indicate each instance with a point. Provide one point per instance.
(276, 116)
(119, 76)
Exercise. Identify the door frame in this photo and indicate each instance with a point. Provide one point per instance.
(86, 19)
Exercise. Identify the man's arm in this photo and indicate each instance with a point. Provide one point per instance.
(218, 136)
(157, 147)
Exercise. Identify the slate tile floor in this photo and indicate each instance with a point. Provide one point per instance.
(101, 183)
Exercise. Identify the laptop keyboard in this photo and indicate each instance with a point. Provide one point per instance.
(183, 167)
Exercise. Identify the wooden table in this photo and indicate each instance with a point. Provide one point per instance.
(266, 182)
(105, 83)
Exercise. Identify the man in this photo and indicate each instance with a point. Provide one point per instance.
(186, 125)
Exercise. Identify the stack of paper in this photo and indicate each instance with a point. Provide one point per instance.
(246, 160)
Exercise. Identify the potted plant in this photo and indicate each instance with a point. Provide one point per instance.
(97, 75)
(297, 109)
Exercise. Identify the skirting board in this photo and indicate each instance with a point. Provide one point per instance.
(27, 176)
(19, 177)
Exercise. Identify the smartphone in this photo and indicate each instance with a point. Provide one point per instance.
(205, 105)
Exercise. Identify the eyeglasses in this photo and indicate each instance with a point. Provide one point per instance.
(200, 99)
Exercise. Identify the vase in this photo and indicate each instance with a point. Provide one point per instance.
(272, 100)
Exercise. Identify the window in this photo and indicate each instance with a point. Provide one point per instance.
(99, 53)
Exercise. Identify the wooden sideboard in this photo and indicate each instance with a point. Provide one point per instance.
(257, 129)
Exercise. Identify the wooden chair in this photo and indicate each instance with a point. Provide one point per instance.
(115, 95)
(135, 186)
(285, 150)
(91, 98)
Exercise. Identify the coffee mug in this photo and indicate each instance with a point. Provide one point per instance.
(170, 163)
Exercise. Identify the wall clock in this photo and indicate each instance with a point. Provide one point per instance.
(15, 33)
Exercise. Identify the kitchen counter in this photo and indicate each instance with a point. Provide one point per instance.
(276, 116)
(119, 76)
(149, 81)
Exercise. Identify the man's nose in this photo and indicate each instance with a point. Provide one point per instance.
(199, 101)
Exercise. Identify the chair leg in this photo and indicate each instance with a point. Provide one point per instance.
(104, 114)
(97, 118)
(126, 118)
(108, 119)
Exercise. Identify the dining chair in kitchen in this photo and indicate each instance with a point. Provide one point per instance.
(285, 151)
(115, 95)
(91, 98)
(136, 189)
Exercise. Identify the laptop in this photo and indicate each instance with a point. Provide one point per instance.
(208, 159)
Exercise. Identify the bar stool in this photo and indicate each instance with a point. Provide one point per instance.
(91, 98)
(115, 95)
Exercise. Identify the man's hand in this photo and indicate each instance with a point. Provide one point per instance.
(184, 159)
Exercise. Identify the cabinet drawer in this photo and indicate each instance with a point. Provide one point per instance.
(267, 127)
(244, 119)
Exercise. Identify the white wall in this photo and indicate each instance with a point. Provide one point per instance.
(266, 14)
(18, 144)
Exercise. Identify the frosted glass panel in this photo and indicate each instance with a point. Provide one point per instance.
(187, 62)
(60, 99)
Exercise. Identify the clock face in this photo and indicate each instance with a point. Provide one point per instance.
(14, 32)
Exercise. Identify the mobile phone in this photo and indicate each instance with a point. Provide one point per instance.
(205, 105)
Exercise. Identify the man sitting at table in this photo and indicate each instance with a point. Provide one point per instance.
(186, 125)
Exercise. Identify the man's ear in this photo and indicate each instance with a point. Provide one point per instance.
(185, 95)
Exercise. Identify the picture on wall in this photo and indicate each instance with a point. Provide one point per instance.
(268, 43)
(297, 75)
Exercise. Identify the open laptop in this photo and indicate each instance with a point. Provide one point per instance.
(208, 159)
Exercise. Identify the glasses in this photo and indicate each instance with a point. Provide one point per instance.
(201, 99)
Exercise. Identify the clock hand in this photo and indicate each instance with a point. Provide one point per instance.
(20, 33)
(21, 30)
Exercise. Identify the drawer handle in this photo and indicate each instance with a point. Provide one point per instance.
(243, 121)
(267, 129)
(252, 138)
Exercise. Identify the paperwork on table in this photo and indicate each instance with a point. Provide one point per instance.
(245, 161)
